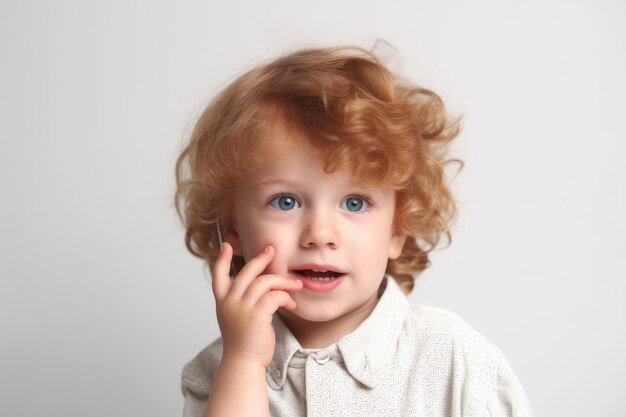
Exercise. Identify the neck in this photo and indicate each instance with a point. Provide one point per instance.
(317, 335)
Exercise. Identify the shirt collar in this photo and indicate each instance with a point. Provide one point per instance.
(367, 351)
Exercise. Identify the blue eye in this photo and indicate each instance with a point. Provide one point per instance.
(355, 204)
(284, 203)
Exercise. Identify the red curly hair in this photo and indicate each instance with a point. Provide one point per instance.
(356, 113)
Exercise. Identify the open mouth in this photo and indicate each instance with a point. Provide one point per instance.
(318, 275)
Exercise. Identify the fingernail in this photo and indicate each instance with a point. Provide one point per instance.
(221, 249)
(267, 249)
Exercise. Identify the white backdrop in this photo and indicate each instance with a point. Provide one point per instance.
(101, 305)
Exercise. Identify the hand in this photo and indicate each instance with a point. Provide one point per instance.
(246, 305)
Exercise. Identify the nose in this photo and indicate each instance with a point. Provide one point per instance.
(320, 229)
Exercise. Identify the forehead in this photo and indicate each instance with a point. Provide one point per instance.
(286, 151)
(281, 140)
(280, 144)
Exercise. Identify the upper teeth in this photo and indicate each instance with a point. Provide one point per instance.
(316, 270)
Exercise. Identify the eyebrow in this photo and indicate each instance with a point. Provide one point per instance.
(276, 181)
(288, 183)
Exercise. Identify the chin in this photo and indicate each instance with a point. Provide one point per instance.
(313, 314)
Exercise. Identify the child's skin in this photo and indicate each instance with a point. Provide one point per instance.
(311, 217)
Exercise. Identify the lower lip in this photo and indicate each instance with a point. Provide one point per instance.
(320, 286)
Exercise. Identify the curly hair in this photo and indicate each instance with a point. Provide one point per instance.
(356, 113)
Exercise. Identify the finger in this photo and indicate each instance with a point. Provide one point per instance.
(220, 274)
(270, 302)
(266, 283)
(250, 271)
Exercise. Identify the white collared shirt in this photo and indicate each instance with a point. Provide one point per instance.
(401, 361)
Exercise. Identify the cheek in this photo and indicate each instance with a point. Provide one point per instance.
(371, 229)
(256, 236)
(371, 244)
(372, 251)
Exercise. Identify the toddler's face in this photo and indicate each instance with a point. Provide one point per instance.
(317, 221)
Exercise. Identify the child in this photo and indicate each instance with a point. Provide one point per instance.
(323, 172)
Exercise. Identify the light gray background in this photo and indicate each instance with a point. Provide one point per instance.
(101, 305)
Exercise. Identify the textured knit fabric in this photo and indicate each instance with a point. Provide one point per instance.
(401, 361)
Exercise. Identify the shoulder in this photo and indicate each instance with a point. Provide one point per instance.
(449, 342)
(442, 324)
(451, 345)
(452, 333)
(199, 372)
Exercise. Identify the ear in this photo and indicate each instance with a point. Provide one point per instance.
(396, 244)
(231, 235)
